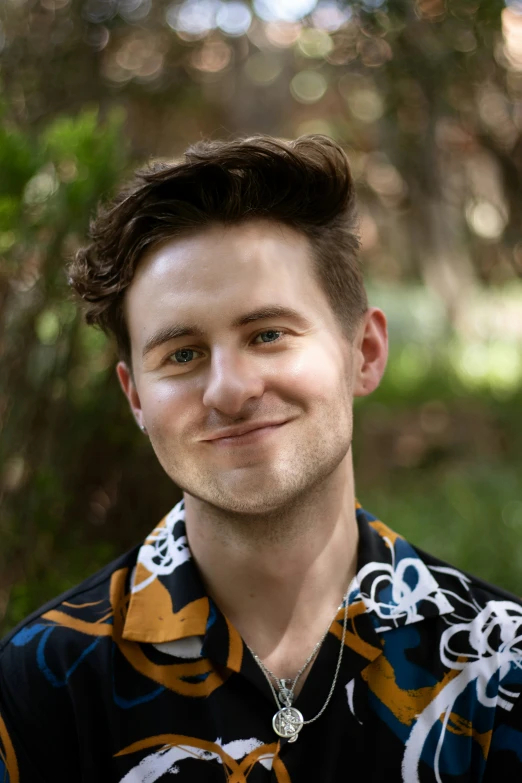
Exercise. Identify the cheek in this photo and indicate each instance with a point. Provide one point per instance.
(167, 406)
(314, 375)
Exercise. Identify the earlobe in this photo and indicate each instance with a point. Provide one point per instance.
(129, 389)
(372, 353)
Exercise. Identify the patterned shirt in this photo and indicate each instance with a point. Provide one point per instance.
(136, 676)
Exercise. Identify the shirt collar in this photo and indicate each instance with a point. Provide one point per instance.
(393, 583)
(393, 586)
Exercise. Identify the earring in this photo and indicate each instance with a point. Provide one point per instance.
(143, 428)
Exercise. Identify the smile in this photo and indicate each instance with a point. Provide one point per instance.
(247, 438)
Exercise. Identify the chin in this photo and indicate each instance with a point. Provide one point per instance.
(269, 488)
(248, 501)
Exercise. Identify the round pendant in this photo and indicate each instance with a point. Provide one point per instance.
(287, 723)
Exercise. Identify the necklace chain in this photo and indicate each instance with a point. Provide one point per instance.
(288, 722)
(288, 693)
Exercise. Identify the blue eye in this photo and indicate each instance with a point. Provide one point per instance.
(183, 356)
(273, 335)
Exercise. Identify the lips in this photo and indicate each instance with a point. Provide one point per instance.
(237, 432)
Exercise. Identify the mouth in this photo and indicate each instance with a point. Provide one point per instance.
(246, 438)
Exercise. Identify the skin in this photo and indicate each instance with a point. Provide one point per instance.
(270, 516)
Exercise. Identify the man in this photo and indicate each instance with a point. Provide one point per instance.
(268, 628)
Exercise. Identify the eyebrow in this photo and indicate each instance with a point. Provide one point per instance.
(174, 331)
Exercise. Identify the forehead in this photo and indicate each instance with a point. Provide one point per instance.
(213, 275)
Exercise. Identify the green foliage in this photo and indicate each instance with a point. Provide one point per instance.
(18, 162)
(88, 157)
(55, 178)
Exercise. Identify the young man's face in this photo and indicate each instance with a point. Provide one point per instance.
(231, 331)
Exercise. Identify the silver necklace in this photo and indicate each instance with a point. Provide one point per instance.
(287, 721)
(286, 686)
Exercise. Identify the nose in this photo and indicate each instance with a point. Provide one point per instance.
(232, 380)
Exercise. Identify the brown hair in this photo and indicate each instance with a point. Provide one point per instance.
(304, 183)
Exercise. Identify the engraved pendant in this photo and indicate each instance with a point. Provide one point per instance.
(285, 697)
(287, 723)
(285, 694)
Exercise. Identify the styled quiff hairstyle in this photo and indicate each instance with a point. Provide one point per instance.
(305, 184)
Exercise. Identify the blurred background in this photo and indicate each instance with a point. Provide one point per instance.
(426, 97)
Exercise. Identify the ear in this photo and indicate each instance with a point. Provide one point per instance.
(371, 352)
(129, 389)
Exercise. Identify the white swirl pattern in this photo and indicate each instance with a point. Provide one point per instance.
(495, 636)
(482, 648)
(165, 761)
(403, 608)
(163, 553)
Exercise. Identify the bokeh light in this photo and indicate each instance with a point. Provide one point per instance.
(134, 10)
(234, 18)
(212, 57)
(330, 16)
(308, 86)
(316, 125)
(512, 31)
(97, 11)
(283, 34)
(263, 69)
(284, 10)
(194, 17)
(315, 43)
(485, 219)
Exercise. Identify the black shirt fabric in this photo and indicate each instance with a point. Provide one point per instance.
(136, 676)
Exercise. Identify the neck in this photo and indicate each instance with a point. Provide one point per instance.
(279, 576)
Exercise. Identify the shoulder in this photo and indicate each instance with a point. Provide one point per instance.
(42, 682)
(480, 647)
(56, 657)
(464, 585)
(479, 638)
(86, 607)
(402, 584)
